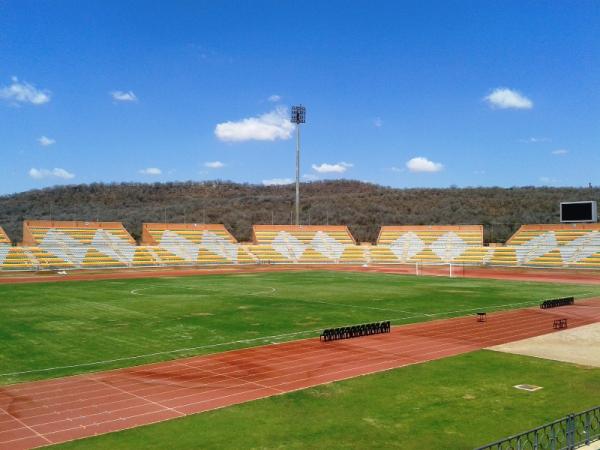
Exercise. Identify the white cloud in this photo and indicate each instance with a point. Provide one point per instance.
(267, 127)
(277, 181)
(214, 165)
(397, 169)
(505, 98)
(62, 173)
(121, 96)
(421, 164)
(274, 98)
(151, 171)
(309, 177)
(535, 140)
(560, 151)
(548, 180)
(23, 92)
(45, 141)
(57, 172)
(340, 167)
(377, 122)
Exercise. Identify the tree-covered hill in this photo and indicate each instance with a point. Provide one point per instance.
(362, 206)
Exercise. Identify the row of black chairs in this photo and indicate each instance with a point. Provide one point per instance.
(555, 302)
(367, 329)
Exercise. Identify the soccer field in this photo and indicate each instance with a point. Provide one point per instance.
(56, 329)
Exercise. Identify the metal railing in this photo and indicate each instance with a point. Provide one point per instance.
(567, 433)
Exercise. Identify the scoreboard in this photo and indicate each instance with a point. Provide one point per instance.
(579, 211)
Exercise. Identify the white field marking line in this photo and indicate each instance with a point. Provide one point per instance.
(12, 441)
(136, 396)
(110, 421)
(440, 345)
(533, 302)
(136, 291)
(272, 291)
(88, 416)
(242, 341)
(352, 306)
(66, 407)
(140, 392)
(26, 426)
(108, 306)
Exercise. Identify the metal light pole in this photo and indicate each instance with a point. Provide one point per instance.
(298, 117)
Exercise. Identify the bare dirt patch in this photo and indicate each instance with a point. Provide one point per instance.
(578, 345)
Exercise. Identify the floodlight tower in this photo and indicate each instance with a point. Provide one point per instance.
(298, 117)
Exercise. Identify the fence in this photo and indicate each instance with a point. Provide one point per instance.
(567, 433)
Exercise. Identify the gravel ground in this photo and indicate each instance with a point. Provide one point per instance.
(580, 345)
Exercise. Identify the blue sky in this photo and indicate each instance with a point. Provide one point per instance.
(404, 94)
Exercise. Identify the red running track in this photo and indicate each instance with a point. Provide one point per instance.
(53, 411)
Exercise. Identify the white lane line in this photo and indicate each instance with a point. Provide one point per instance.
(135, 395)
(26, 426)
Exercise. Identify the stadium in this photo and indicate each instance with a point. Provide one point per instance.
(429, 277)
(191, 321)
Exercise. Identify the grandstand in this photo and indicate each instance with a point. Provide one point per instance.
(6, 261)
(177, 243)
(305, 244)
(68, 244)
(576, 244)
(56, 245)
(430, 244)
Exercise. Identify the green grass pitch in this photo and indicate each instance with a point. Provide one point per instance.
(131, 322)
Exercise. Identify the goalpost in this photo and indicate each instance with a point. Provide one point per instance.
(452, 269)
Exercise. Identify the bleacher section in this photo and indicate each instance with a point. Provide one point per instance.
(430, 244)
(8, 259)
(69, 244)
(17, 258)
(570, 245)
(312, 244)
(180, 243)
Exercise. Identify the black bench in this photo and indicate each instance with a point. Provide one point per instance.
(367, 329)
(559, 324)
(556, 302)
